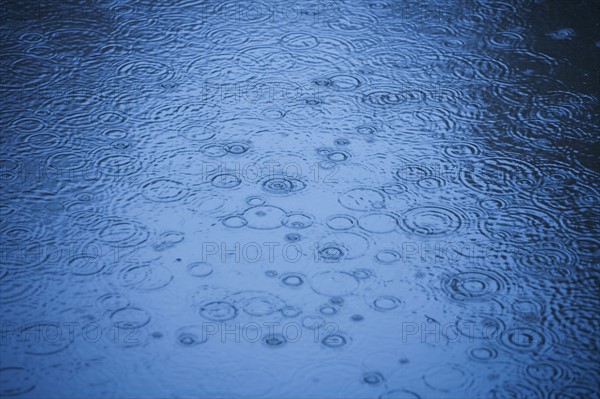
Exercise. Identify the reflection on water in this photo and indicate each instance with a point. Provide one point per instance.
(313, 199)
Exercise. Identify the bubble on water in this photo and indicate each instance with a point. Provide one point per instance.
(190, 336)
(292, 279)
(336, 340)
(274, 340)
(342, 142)
(373, 378)
(357, 317)
(331, 252)
(338, 156)
(328, 310)
(293, 237)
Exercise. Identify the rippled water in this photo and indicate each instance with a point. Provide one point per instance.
(315, 199)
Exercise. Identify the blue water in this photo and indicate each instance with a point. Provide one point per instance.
(362, 199)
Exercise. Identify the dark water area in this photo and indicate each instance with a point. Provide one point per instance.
(362, 199)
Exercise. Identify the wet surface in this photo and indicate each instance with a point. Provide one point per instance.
(332, 199)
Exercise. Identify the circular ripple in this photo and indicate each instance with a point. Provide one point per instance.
(118, 165)
(145, 277)
(526, 339)
(43, 141)
(517, 391)
(218, 311)
(378, 223)
(226, 180)
(501, 176)
(264, 217)
(200, 269)
(429, 221)
(336, 340)
(334, 283)
(265, 59)
(362, 199)
(448, 378)
(163, 190)
(520, 225)
(462, 150)
(292, 279)
(474, 285)
(145, 71)
(582, 221)
(86, 265)
(260, 305)
(283, 186)
(123, 232)
(480, 326)
(234, 222)
(16, 381)
(297, 220)
(341, 222)
(386, 303)
(399, 394)
(299, 41)
(130, 318)
(388, 256)
(483, 354)
(197, 132)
